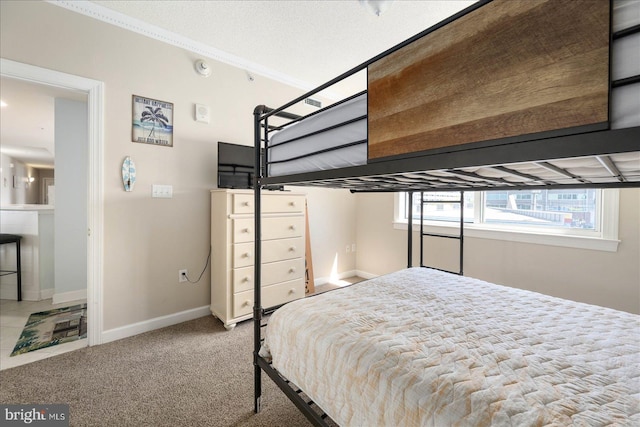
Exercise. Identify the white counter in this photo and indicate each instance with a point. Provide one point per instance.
(35, 224)
(27, 208)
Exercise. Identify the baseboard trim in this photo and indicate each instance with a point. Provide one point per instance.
(49, 293)
(324, 280)
(152, 324)
(365, 275)
(27, 295)
(184, 316)
(61, 297)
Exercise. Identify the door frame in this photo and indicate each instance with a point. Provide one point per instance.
(95, 200)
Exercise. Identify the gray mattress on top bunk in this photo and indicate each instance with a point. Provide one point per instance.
(291, 151)
(343, 145)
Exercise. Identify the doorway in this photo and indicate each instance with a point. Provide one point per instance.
(47, 191)
(95, 95)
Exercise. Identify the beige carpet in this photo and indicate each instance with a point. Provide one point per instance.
(192, 374)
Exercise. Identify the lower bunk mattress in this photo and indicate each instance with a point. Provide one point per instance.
(424, 347)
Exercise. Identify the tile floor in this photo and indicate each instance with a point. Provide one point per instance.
(13, 316)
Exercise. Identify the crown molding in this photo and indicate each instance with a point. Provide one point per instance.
(121, 20)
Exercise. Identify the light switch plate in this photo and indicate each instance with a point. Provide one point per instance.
(162, 191)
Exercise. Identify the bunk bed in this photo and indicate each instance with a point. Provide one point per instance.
(503, 95)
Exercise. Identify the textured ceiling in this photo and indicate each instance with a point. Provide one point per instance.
(309, 42)
(301, 42)
(27, 131)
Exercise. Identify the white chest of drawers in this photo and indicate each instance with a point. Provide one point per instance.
(232, 257)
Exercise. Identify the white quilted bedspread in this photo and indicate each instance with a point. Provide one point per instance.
(423, 347)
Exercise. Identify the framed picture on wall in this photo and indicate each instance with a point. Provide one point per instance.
(152, 121)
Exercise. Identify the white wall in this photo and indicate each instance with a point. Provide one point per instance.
(609, 279)
(71, 134)
(22, 192)
(332, 215)
(146, 241)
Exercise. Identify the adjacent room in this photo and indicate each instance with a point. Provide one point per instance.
(349, 212)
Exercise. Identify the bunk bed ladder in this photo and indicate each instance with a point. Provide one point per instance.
(459, 236)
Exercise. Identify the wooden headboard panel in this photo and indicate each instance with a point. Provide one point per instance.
(505, 69)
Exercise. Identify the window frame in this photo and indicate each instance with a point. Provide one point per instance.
(604, 238)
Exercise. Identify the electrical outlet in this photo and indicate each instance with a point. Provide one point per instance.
(182, 275)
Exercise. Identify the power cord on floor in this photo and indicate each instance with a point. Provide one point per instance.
(203, 270)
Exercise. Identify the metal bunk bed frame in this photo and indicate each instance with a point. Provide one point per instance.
(313, 413)
(459, 236)
(497, 152)
(309, 409)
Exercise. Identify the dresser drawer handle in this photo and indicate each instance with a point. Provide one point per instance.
(292, 270)
(246, 255)
(292, 290)
(292, 204)
(247, 204)
(246, 230)
(246, 279)
(292, 249)
(292, 227)
(247, 302)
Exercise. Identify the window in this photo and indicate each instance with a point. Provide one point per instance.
(581, 217)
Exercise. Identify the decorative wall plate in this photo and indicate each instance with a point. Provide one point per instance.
(128, 173)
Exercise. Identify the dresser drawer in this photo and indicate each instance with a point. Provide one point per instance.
(282, 227)
(242, 203)
(242, 230)
(282, 292)
(243, 255)
(272, 250)
(271, 203)
(272, 228)
(282, 203)
(282, 271)
(242, 279)
(282, 249)
(271, 296)
(242, 303)
(272, 273)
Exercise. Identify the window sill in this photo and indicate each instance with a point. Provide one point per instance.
(568, 241)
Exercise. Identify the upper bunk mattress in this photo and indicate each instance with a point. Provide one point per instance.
(333, 138)
(423, 347)
(318, 143)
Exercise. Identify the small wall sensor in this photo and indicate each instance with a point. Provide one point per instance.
(202, 68)
(202, 113)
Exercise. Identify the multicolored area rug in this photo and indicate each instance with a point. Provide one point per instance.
(52, 327)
